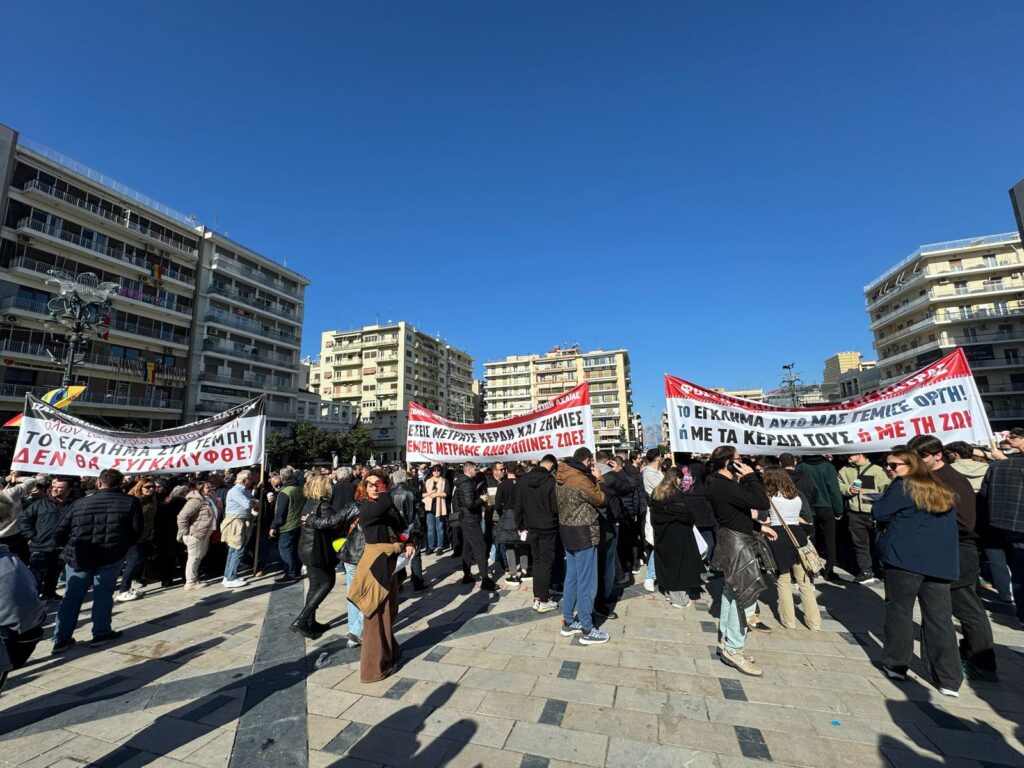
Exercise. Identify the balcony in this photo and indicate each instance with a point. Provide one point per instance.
(150, 401)
(37, 186)
(262, 279)
(1000, 389)
(217, 406)
(253, 301)
(256, 382)
(247, 351)
(26, 305)
(102, 250)
(252, 326)
(163, 334)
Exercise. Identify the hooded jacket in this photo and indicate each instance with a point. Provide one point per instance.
(973, 470)
(820, 471)
(198, 518)
(538, 500)
(578, 496)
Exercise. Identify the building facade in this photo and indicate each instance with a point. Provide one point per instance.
(964, 293)
(148, 368)
(378, 369)
(520, 383)
(836, 366)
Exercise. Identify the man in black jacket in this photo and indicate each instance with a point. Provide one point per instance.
(469, 498)
(38, 524)
(540, 513)
(98, 530)
(406, 499)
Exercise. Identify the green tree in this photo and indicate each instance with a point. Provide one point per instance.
(279, 448)
(312, 444)
(356, 442)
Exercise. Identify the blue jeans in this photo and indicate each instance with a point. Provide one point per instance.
(288, 546)
(1015, 554)
(734, 631)
(133, 563)
(1000, 572)
(651, 574)
(233, 561)
(580, 587)
(103, 581)
(435, 531)
(355, 617)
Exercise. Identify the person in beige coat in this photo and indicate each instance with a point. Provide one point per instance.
(196, 523)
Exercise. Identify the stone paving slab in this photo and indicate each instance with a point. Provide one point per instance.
(487, 682)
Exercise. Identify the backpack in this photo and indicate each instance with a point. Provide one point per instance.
(688, 480)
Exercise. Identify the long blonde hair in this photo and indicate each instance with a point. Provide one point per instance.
(927, 491)
(667, 486)
(317, 487)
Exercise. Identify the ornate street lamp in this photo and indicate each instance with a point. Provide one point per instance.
(82, 306)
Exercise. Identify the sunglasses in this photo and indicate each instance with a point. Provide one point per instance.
(894, 464)
(378, 486)
(148, 487)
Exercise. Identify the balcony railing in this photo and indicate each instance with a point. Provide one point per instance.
(150, 400)
(46, 189)
(216, 406)
(256, 382)
(252, 300)
(230, 265)
(103, 250)
(246, 351)
(225, 318)
(133, 327)
(28, 305)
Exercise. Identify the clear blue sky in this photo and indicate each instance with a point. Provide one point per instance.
(706, 184)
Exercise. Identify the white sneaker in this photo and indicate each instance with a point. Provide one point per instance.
(233, 584)
(124, 597)
(536, 604)
(949, 692)
(649, 585)
(547, 607)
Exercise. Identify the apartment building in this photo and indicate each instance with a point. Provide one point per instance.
(522, 382)
(378, 369)
(147, 369)
(836, 366)
(967, 293)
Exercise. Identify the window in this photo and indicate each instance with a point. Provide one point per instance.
(1011, 356)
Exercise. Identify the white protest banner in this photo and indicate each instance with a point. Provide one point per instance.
(560, 426)
(940, 400)
(55, 442)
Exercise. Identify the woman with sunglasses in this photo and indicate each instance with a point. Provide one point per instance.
(918, 546)
(374, 588)
(145, 491)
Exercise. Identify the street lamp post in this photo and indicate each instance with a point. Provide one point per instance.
(81, 306)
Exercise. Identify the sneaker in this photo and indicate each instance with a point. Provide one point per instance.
(894, 674)
(488, 585)
(865, 578)
(99, 640)
(649, 585)
(547, 606)
(526, 576)
(568, 630)
(234, 583)
(513, 580)
(352, 641)
(721, 650)
(742, 662)
(949, 692)
(62, 646)
(760, 626)
(124, 597)
(594, 637)
(536, 604)
(605, 612)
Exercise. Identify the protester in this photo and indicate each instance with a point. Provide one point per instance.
(435, 500)
(540, 515)
(196, 523)
(977, 647)
(287, 522)
(375, 587)
(38, 526)
(693, 483)
(859, 480)
(828, 508)
(790, 508)
(12, 500)
(237, 526)
(470, 498)
(918, 545)
(650, 476)
(406, 498)
(22, 615)
(1002, 489)
(97, 533)
(144, 490)
(579, 496)
(679, 559)
(320, 525)
(736, 495)
(167, 552)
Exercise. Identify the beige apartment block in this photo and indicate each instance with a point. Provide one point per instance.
(835, 367)
(379, 369)
(190, 333)
(522, 382)
(965, 293)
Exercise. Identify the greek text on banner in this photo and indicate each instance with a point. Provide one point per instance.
(55, 442)
(940, 400)
(560, 426)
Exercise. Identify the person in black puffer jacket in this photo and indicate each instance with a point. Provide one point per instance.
(512, 550)
(38, 524)
(406, 498)
(469, 499)
(98, 531)
(538, 501)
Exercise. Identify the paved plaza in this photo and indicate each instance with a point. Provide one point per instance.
(215, 679)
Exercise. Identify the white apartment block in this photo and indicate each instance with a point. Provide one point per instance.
(965, 293)
(378, 369)
(522, 382)
(166, 358)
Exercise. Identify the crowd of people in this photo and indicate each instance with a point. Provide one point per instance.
(925, 518)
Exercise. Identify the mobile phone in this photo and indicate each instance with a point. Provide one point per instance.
(733, 467)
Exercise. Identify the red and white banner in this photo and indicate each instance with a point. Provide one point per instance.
(560, 426)
(940, 400)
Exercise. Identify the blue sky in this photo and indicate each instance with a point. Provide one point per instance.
(706, 184)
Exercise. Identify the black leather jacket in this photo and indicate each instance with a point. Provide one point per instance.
(335, 523)
(404, 499)
(466, 496)
(746, 561)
